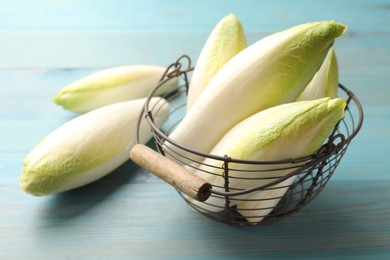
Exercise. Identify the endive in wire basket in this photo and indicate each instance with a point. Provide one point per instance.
(303, 177)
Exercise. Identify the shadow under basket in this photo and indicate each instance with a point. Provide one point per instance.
(279, 188)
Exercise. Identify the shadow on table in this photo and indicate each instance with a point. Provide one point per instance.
(71, 204)
(347, 215)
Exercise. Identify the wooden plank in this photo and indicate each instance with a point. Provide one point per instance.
(348, 219)
(157, 33)
(173, 15)
(99, 50)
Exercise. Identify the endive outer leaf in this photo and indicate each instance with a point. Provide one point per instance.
(226, 40)
(261, 203)
(325, 81)
(87, 147)
(112, 85)
(285, 131)
(273, 71)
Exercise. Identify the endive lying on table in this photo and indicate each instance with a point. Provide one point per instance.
(226, 40)
(111, 86)
(273, 71)
(282, 132)
(87, 147)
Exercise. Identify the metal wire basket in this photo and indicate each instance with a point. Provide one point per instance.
(292, 184)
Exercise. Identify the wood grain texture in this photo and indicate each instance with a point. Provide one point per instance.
(131, 214)
(172, 173)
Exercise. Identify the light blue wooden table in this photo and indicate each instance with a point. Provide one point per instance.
(131, 214)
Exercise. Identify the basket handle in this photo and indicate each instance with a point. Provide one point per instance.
(171, 172)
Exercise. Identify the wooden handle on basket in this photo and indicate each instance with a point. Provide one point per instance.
(171, 172)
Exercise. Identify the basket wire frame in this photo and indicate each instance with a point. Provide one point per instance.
(305, 176)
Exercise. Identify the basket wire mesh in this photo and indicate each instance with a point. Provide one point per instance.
(286, 185)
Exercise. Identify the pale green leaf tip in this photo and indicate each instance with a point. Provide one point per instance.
(67, 97)
(340, 29)
(37, 182)
(336, 105)
(232, 16)
(331, 27)
(38, 186)
(340, 103)
(68, 101)
(230, 20)
(57, 98)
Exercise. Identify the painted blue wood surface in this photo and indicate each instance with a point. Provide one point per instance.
(130, 214)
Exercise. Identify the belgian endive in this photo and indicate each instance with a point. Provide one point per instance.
(282, 132)
(273, 71)
(226, 40)
(323, 84)
(112, 85)
(87, 147)
(325, 81)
